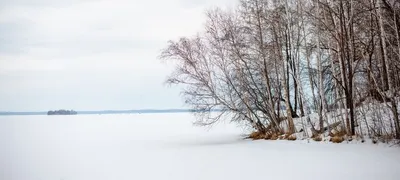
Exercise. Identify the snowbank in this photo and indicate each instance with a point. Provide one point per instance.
(167, 146)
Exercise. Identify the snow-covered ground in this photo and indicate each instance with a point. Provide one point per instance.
(167, 146)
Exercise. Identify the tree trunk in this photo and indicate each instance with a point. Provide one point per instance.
(385, 64)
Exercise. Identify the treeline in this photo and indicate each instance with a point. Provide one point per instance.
(328, 57)
(62, 112)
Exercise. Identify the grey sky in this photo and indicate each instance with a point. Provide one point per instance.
(91, 55)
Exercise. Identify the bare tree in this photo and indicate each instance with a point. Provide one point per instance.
(330, 56)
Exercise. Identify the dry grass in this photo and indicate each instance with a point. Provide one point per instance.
(256, 135)
(267, 136)
(292, 137)
(317, 138)
(386, 138)
(286, 136)
(271, 136)
(338, 131)
(337, 139)
(274, 137)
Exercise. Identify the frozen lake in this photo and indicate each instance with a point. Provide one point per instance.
(167, 146)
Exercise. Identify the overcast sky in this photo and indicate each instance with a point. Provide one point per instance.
(91, 54)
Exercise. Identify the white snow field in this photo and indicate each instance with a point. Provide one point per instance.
(167, 146)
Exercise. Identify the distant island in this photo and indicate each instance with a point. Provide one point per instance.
(62, 112)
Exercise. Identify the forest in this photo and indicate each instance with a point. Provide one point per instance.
(283, 66)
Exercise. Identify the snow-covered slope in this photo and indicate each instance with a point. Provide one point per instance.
(167, 146)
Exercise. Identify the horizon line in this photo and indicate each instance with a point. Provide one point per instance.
(145, 109)
(105, 111)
